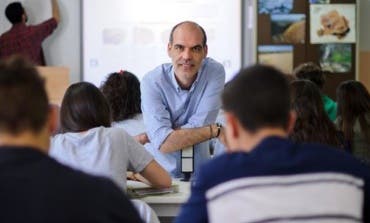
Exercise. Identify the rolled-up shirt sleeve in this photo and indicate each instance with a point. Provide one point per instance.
(156, 116)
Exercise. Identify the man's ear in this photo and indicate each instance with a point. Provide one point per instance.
(169, 47)
(205, 51)
(53, 119)
(291, 121)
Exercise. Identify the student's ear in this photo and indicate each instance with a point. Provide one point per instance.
(53, 119)
(291, 121)
(231, 130)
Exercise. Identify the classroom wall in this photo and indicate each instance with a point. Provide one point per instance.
(64, 47)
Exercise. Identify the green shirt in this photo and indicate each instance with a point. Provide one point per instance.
(330, 107)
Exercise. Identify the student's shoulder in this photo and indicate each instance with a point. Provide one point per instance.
(223, 167)
(76, 181)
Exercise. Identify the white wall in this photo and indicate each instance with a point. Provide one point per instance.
(63, 47)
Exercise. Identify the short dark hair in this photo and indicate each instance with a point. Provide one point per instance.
(83, 107)
(23, 98)
(122, 91)
(312, 123)
(14, 12)
(204, 42)
(259, 97)
(310, 71)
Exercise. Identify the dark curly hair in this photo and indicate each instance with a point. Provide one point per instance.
(310, 71)
(122, 90)
(312, 124)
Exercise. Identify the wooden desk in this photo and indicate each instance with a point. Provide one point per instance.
(168, 205)
(57, 81)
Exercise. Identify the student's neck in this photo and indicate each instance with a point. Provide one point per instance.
(249, 141)
(39, 141)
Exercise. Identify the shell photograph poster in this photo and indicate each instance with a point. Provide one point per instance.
(332, 23)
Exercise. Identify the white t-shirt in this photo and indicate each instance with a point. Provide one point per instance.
(133, 126)
(101, 151)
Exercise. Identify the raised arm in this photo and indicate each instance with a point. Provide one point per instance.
(55, 10)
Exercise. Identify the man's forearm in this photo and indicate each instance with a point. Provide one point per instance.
(183, 138)
(55, 10)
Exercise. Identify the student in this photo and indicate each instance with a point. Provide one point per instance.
(264, 177)
(34, 187)
(312, 124)
(180, 100)
(122, 91)
(354, 117)
(311, 71)
(89, 143)
(27, 40)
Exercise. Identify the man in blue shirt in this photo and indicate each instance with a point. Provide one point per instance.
(180, 100)
(266, 178)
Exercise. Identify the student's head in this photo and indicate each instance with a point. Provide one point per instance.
(353, 103)
(352, 98)
(15, 12)
(187, 48)
(306, 99)
(310, 71)
(83, 107)
(23, 101)
(258, 97)
(312, 122)
(122, 90)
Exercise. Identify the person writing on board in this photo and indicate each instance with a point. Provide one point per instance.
(180, 100)
(25, 39)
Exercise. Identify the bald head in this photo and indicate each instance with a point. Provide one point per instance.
(188, 25)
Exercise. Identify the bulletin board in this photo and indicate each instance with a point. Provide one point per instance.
(291, 32)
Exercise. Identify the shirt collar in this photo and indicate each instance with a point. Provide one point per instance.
(177, 86)
(19, 25)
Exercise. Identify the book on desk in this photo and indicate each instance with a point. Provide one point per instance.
(137, 189)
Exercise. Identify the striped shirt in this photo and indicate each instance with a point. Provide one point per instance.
(279, 181)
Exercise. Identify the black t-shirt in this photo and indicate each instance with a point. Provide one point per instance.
(36, 188)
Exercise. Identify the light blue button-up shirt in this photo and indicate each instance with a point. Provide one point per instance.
(166, 106)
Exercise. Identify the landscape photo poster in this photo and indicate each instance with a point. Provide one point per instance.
(332, 23)
(288, 28)
(275, 6)
(280, 56)
(336, 57)
(319, 1)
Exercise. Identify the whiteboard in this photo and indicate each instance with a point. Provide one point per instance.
(133, 35)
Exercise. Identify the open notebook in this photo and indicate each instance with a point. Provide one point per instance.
(136, 189)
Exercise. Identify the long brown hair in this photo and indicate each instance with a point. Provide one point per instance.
(353, 103)
(312, 124)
